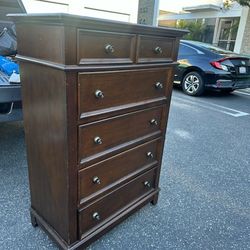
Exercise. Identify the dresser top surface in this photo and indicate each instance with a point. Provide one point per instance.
(90, 22)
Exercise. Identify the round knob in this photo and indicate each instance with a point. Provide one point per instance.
(153, 122)
(98, 140)
(96, 216)
(109, 49)
(158, 50)
(99, 94)
(150, 155)
(147, 184)
(158, 85)
(96, 180)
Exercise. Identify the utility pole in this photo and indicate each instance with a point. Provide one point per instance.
(148, 11)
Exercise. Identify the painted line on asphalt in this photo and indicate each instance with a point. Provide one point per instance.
(241, 92)
(214, 107)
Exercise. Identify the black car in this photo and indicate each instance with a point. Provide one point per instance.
(203, 66)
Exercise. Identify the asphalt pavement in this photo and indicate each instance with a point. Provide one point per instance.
(205, 183)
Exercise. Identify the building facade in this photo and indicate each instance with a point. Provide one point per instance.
(228, 28)
(109, 9)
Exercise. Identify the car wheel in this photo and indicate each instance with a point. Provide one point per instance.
(193, 84)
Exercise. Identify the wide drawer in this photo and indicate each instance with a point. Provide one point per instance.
(155, 49)
(102, 90)
(96, 214)
(109, 133)
(108, 173)
(98, 47)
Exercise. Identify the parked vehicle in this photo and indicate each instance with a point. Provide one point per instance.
(203, 66)
(10, 88)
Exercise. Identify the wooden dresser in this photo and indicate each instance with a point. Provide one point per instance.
(96, 97)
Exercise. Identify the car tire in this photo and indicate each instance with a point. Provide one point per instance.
(193, 84)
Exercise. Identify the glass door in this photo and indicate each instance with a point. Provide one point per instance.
(227, 33)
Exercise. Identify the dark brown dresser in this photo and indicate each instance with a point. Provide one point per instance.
(96, 97)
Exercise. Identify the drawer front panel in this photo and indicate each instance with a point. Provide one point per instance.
(106, 90)
(155, 49)
(96, 214)
(106, 174)
(97, 47)
(109, 133)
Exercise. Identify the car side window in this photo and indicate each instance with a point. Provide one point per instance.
(186, 50)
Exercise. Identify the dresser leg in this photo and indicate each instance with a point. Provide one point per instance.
(33, 220)
(155, 199)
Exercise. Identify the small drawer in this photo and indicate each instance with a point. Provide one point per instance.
(98, 47)
(106, 174)
(99, 212)
(104, 90)
(109, 133)
(155, 49)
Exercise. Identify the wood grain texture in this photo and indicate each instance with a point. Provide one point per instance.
(119, 88)
(147, 49)
(110, 204)
(45, 123)
(116, 170)
(92, 47)
(117, 130)
(85, 241)
(70, 49)
(41, 42)
(70, 40)
(63, 62)
(71, 102)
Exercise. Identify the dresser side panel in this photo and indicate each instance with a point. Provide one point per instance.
(45, 122)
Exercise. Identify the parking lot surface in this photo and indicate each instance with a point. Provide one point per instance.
(205, 183)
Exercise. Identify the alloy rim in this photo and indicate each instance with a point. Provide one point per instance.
(191, 84)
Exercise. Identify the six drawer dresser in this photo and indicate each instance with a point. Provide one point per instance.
(96, 97)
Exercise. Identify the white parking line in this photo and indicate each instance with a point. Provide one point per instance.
(242, 92)
(213, 107)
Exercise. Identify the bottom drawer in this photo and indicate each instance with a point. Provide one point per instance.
(99, 212)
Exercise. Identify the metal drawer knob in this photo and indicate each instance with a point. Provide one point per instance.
(96, 180)
(98, 140)
(150, 155)
(158, 50)
(109, 49)
(147, 184)
(158, 85)
(99, 94)
(96, 216)
(153, 122)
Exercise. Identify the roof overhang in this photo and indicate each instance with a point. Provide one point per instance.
(203, 7)
(201, 14)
